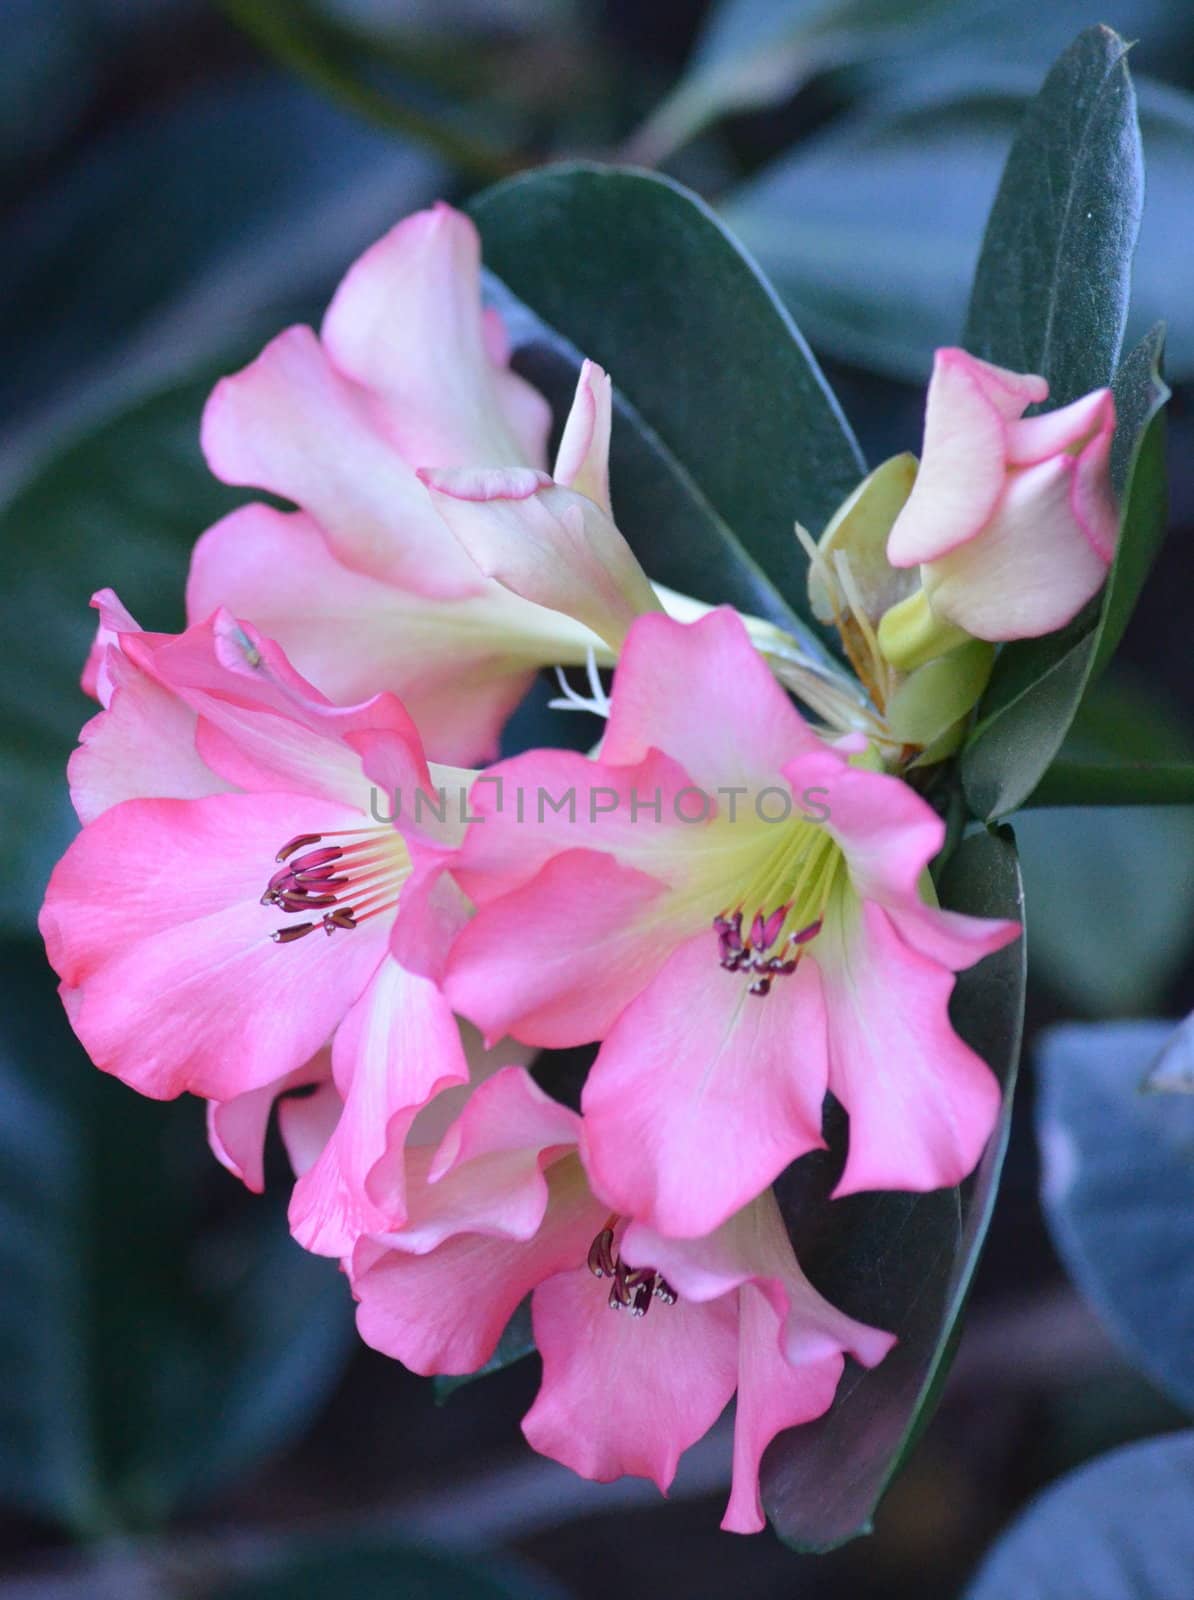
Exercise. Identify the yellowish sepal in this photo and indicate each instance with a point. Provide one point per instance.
(912, 633)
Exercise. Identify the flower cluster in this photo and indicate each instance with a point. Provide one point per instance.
(299, 886)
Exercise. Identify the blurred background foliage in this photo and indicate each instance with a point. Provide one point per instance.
(181, 1398)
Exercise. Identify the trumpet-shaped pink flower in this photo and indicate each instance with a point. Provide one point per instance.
(737, 910)
(233, 904)
(364, 585)
(553, 540)
(1012, 519)
(636, 1367)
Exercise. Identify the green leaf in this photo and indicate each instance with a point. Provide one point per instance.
(1091, 869)
(1121, 1528)
(145, 1358)
(1117, 1181)
(899, 1261)
(636, 273)
(820, 216)
(373, 1569)
(1038, 684)
(1051, 290)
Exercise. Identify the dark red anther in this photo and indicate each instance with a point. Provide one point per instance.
(641, 1302)
(808, 933)
(342, 917)
(601, 1254)
(301, 900)
(289, 935)
(771, 929)
(316, 858)
(761, 986)
(299, 842)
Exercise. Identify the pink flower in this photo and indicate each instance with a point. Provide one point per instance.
(233, 904)
(636, 1367)
(553, 540)
(738, 911)
(1012, 519)
(364, 585)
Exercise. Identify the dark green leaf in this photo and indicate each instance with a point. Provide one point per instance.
(1118, 1177)
(1038, 684)
(738, 436)
(1051, 290)
(899, 1261)
(1121, 1528)
(1093, 867)
(145, 1358)
(371, 1570)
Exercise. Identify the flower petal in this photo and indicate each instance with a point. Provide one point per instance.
(396, 1049)
(582, 461)
(290, 423)
(701, 692)
(460, 667)
(753, 1247)
(141, 747)
(154, 915)
(969, 406)
(263, 727)
(406, 323)
(922, 1104)
(549, 544)
(545, 802)
(773, 1394)
(489, 1174)
(445, 1311)
(703, 1093)
(1035, 439)
(624, 1395)
(1035, 566)
(236, 1128)
(554, 962)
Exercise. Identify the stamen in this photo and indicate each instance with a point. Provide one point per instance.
(765, 932)
(632, 1288)
(348, 881)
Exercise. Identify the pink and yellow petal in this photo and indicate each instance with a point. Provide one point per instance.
(623, 1395)
(703, 1092)
(922, 1104)
(701, 693)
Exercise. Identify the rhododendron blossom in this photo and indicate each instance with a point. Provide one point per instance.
(644, 1340)
(1011, 519)
(364, 586)
(738, 910)
(233, 905)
